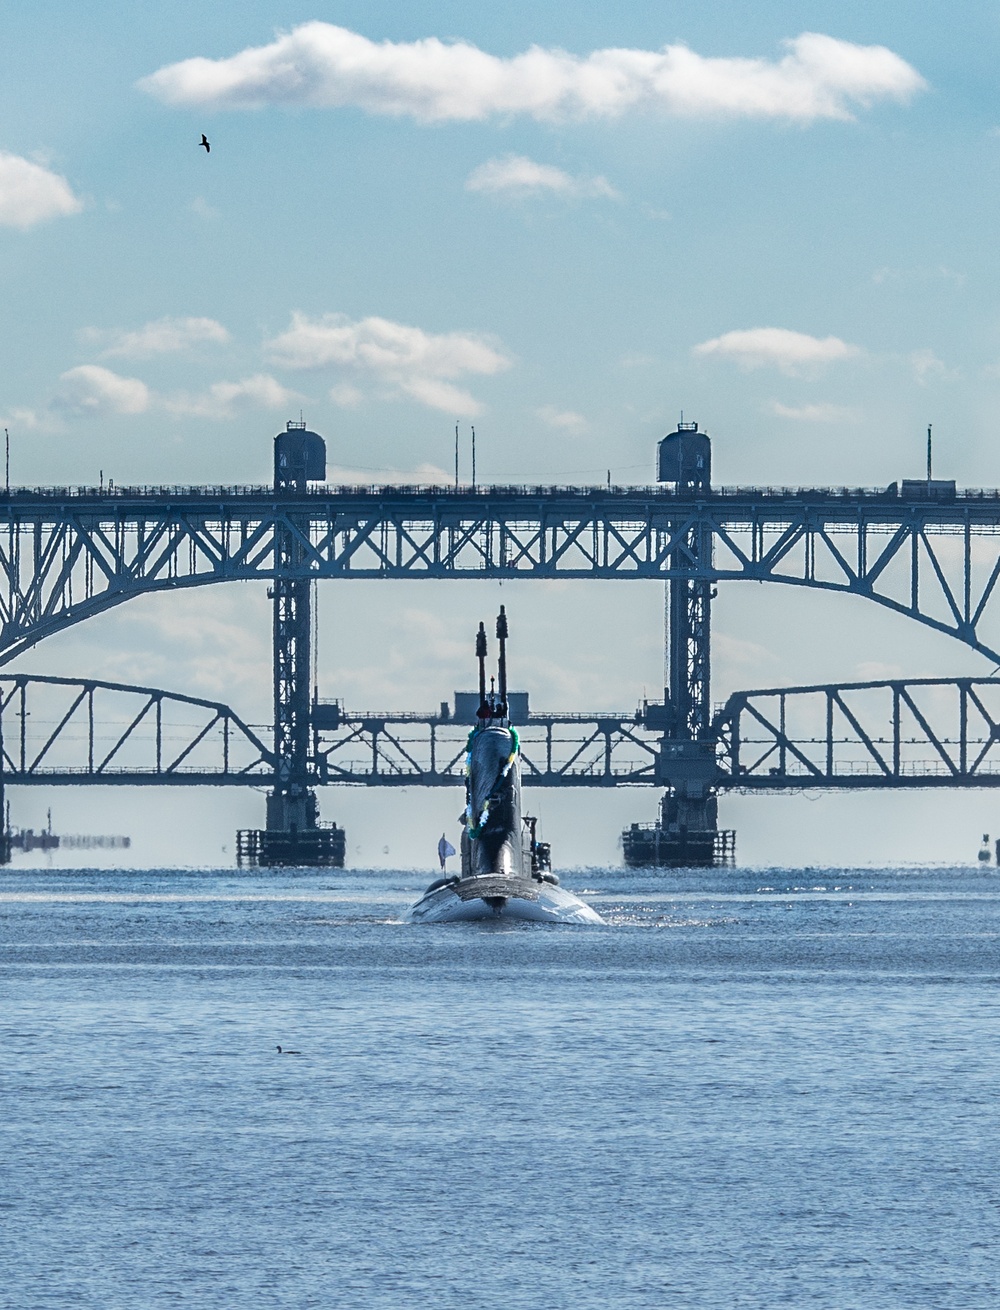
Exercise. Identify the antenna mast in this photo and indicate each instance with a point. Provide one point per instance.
(928, 452)
(502, 663)
(484, 711)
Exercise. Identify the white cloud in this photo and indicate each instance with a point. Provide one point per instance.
(319, 64)
(438, 394)
(814, 413)
(423, 475)
(941, 273)
(422, 365)
(91, 390)
(163, 336)
(30, 194)
(346, 396)
(225, 400)
(739, 653)
(877, 671)
(28, 420)
(200, 207)
(927, 367)
(565, 420)
(517, 175)
(209, 644)
(778, 347)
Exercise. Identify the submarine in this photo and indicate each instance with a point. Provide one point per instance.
(505, 872)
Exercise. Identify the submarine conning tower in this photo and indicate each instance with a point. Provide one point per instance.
(293, 835)
(493, 838)
(686, 833)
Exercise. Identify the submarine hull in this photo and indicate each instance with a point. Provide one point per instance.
(504, 870)
(492, 896)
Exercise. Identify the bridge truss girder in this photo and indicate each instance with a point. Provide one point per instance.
(930, 732)
(923, 732)
(895, 734)
(65, 557)
(67, 731)
(558, 750)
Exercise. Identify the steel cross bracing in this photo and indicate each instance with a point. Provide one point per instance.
(68, 554)
(64, 731)
(68, 731)
(922, 733)
(931, 732)
(292, 655)
(557, 750)
(688, 639)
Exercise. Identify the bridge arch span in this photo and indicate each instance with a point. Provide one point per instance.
(66, 558)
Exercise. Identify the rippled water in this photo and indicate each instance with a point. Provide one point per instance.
(750, 1089)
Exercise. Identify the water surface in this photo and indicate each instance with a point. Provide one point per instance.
(751, 1089)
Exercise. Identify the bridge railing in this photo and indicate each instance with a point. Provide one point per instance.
(115, 494)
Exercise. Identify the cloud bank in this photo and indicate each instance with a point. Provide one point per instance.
(163, 336)
(421, 365)
(821, 412)
(92, 391)
(31, 194)
(777, 347)
(565, 420)
(319, 64)
(519, 176)
(224, 400)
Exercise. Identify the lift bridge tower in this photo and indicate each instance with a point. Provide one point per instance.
(687, 832)
(294, 834)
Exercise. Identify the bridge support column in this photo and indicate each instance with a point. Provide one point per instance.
(687, 832)
(294, 834)
(5, 844)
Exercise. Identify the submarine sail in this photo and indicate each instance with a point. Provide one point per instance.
(504, 870)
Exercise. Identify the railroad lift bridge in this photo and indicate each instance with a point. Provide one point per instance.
(921, 548)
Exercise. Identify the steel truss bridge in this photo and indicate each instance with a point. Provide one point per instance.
(68, 554)
(921, 733)
(924, 550)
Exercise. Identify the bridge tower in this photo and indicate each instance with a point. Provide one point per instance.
(294, 835)
(687, 832)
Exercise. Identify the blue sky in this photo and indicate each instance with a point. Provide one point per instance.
(798, 251)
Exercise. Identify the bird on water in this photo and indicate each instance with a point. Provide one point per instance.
(281, 1052)
(204, 142)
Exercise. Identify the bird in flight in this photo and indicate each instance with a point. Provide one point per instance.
(204, 142)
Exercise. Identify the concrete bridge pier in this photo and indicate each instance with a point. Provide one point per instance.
(687, 831)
